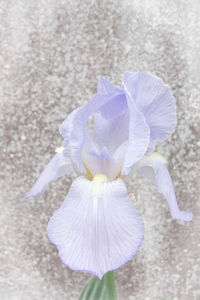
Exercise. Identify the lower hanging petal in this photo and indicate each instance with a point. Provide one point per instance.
(58, 166)
(97, 228)
(153, 168)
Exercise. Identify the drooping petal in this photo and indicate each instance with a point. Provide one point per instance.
(57, 167)
(97, 228)
(160, 175)
(139, 135)
(155, 100)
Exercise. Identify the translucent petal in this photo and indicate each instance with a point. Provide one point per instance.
(155, 100)
(74, 128)
(111, 114)
(111, 132)
(164, 184)
(97, 229)
(138, 139)
(106, 87)
(115, 107)
(57, 167)
(99, 160)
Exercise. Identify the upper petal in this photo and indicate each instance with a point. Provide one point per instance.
(164, 183)
(139, 135)
(74, 128)
(111, 132)
(97, 229)
(58, 166)
(116, 106)
(106, 87)
(155, 100)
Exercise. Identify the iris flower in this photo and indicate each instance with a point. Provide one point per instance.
(97, 228)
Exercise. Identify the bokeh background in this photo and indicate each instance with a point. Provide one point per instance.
(51, 52)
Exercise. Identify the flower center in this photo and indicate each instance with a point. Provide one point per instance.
(100, 178)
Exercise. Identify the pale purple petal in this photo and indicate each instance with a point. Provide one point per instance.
(74, 128)
(98, 160)
(155, 100)
(57, 167)
(67, 125)
(116, 106)
(139, 135)
(164, 184)
(106, 87)
(97, 229)
(111, 132)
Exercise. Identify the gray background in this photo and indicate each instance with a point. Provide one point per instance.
(51, 52)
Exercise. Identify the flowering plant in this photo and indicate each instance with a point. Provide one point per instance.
(97, 228)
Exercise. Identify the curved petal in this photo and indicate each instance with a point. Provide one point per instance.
(111, 132)
(162, 178)
(57, 167)
(97, 229)
(111, 121)
(74, 128)
(98, 160)
(139, 135)
(155, 100)
(106, 87)
(116, 106)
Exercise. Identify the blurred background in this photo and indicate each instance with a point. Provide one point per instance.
(51, 52)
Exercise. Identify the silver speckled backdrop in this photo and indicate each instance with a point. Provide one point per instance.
(51, 52)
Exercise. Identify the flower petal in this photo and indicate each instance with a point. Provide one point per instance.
(74, 128)
(57, 167)
(98, 160)
(106, 87)
(164, 183)
(116, 106)
(97, 228)
(155, 100)
(111, 132)
(139, 135)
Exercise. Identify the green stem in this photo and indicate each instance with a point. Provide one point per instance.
(98, 289)
(110, 283)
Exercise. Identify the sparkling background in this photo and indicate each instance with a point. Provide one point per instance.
(51, 52)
